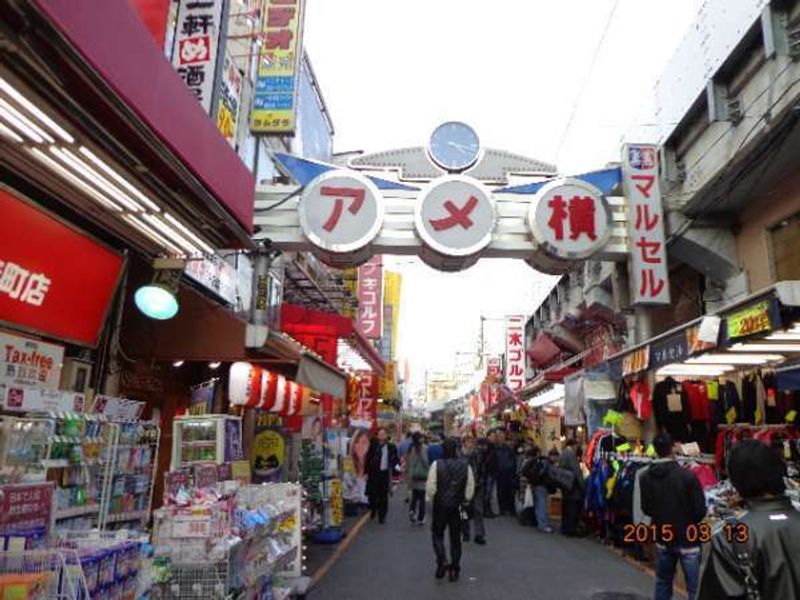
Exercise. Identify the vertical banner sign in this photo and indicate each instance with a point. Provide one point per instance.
(367, 412)
(370, 298)
(230, 96)
(515, 352)
(649, 274)
(197, 42)
(275, 97)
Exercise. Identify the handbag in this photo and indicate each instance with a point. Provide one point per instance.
(562, 478)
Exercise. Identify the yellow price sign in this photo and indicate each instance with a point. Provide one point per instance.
(651, 450)
(791, 416)
(730, 416)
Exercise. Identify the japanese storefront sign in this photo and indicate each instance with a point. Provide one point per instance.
(39, 289)
(215, 275)
(24, 398)
(230, 96)
(367, 412)
(340, 212)
(196, 48)
(515, 352)
(636, 361)
(668, 351)
(570, 219)
(275, 99)
(25, 361)
(649, 276)
(455, 216)
(370, 298)
(750, 320)
(24, 507)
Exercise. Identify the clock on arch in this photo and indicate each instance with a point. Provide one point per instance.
(454, 146)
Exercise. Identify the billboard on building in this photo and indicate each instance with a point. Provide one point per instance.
(515, 352)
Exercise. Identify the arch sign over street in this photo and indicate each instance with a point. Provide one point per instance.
(411, 201)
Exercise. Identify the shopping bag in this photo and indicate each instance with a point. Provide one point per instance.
(528, 501)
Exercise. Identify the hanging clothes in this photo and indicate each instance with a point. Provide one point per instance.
(641, 400)
(671, 408)
(699, 410)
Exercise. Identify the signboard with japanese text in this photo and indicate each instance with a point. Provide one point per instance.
(276, 86)
(370, 298)
(42, 292)
(494, 367)
(367, 411)
(341, 212)
(215, 275)
(515, 352)
(23, 398)
(747, 321)
(668, 351)
(230, 97)
(636, 361)
(199, 25)
(25, 361)
(455, 216)
(570, 219)
(649, 271)
(25, 507)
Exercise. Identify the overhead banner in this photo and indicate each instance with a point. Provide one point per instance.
(649, 272)
(197, 41)
(41, 288)
(515, 352)
(370, 298)
(277, 76)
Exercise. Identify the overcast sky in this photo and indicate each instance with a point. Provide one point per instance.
(391, 71)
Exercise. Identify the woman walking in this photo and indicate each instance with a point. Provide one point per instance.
(417, 465)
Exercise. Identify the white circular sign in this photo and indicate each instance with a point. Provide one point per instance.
(570, 219)
(455, 216)
(340, 211)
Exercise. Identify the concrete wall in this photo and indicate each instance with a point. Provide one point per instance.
(753, 240)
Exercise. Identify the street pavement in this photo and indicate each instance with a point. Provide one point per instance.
(395, 561)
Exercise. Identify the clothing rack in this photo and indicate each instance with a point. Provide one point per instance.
(727, 426)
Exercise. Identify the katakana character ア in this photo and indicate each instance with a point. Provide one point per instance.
(338, 207)
(194, 23)
(457, 216)
(650, 250)
(13, 280)
(279, 39)
(581, 217)
(195, 50)
(280, 17)
(650, 287)
(643, 217)
(515, 339)
(556, 222)
(644, 188)
(36, 289)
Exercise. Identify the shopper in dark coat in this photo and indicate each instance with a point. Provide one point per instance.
(674, 499)
(506, 475)
(490, 479)
(572, 504)
(475, 453)
(768, 534)
(382, 460)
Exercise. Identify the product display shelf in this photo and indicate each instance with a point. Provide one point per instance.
(43, 575)
(130, 485)
(206, 438)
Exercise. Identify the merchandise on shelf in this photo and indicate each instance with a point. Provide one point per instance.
(208, 438)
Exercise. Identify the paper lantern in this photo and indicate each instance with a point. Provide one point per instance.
(281, 395)
(244, 386)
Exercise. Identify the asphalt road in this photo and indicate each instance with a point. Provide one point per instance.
(395, 562)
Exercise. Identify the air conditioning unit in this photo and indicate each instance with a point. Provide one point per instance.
(76, 375)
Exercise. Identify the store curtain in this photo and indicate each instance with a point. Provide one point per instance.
(320, 377)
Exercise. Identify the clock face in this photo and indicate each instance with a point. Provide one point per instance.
(454, 146)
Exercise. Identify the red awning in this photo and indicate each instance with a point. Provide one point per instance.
(304, 323)
(109, 36)
(543, 350)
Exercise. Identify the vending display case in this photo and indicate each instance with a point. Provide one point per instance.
(207, 438)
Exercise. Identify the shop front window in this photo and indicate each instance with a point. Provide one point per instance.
(785, 239)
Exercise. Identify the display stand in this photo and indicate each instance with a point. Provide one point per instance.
(203, 439)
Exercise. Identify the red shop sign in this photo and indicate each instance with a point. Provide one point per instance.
(26, 506)
(53, 279)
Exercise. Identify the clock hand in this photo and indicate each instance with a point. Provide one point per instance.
(461, 147)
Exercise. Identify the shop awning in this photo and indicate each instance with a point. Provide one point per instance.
(96, 70)
(317, 375)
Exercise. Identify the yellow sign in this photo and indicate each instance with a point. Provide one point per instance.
(753, 319)
(240, 471)
(336, 503)
(269, 450)
(277, 77)
(730, 416)
(791, 416)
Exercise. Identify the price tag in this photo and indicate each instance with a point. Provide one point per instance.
(771, 397)
(730, 416)
(759, 419)
(626, 447)
(791, 416)
(674, 403)
(651, 451)
(191, 527)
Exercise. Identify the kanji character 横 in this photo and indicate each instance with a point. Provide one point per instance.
(515, 339)
(581, 217)
(36, 289)
(279, 39)
(650, 287)
(649, 250)
(280, 17)
(556, 222)
(643, 217)
(457, 216)
(645, 187)
(195, 23)
(13, 279)
(357, 195)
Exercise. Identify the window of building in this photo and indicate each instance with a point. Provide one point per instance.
(785, 237)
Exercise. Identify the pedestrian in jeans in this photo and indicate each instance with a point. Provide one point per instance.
(475, 453)
(490, 468)
(572, 504)
(534, 472)
(417, 465)
(450, 486)
(673, 498)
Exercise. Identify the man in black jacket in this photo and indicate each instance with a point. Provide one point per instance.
(674, 499)
(382, 460)
(450, 486)
(475, 453)
(765, 541)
